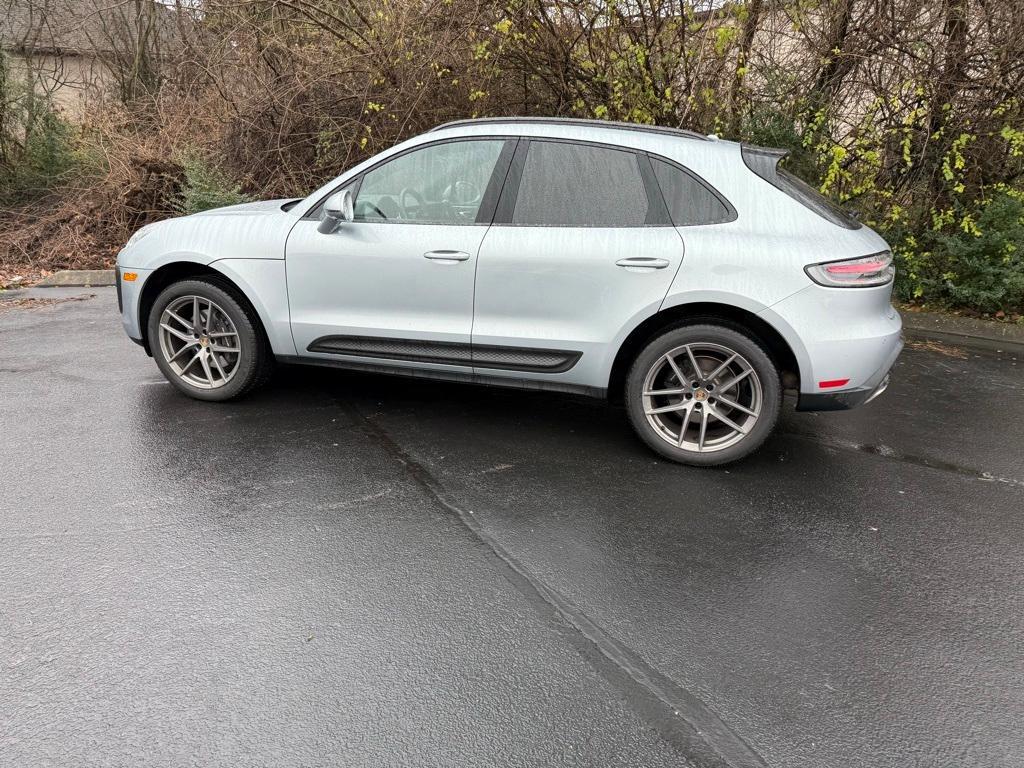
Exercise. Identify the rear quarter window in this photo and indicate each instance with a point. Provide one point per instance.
(690, 202)
(765, 163)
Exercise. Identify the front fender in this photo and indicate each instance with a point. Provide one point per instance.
(263, 283)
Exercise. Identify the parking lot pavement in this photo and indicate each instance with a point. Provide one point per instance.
(357, 570)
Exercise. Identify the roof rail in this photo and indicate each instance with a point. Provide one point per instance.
(575, 121)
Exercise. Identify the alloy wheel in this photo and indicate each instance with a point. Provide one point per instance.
(702, 397)
(199, 342)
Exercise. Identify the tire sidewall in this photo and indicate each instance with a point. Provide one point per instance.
(248, 338)
(691, 334)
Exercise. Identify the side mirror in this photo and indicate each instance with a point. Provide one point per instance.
(338, 208)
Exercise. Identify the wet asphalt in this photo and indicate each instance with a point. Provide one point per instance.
(354, 570)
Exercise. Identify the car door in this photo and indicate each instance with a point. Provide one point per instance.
(580, 247)
(395, 284)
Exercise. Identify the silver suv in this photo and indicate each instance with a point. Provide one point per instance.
(691, 276)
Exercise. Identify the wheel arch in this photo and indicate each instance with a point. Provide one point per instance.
(175, 271)
(744, 320)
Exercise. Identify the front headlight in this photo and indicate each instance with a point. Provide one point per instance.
(139, 234)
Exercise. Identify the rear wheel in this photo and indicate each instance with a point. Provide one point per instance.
(207, 342)
(703, 394)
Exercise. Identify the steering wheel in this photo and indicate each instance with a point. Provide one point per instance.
(417, 197)
(462, 192)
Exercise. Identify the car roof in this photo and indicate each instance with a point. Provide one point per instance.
(574, 122)
(702, 155)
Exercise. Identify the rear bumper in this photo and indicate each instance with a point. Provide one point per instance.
(845, 336)
(851, 398)
(840, 401)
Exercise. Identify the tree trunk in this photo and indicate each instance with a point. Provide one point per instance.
(750, 24)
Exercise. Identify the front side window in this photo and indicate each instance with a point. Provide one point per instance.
(577, 185)
(689, 201)
(439, 184)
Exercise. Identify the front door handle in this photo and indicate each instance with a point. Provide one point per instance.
(643, 262)
(447, 257)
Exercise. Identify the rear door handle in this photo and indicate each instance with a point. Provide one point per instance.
(446, 256)
(643, 262)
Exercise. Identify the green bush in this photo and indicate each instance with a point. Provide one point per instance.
(206, 186)
(981, 266)
(37, 145)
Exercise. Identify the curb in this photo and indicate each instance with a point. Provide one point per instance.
(954, 329)
(78, 278)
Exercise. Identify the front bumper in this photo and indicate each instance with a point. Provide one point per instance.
(128, 296)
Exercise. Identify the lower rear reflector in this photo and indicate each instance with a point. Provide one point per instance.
(832, 383)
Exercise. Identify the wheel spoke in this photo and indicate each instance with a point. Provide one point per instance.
(668, 408)
(197, 318)
(737, 406)
(735, 380)
(230, 350)
(188, 365)
(661, 392)
(711, 376)
(180, 319)
(185, 348)
(684, 425)
(220, 368)
(222, 334)
(205, 362)
(703, 429)
(726, 420)
(693, 362)
(675, 369)
(176, 333)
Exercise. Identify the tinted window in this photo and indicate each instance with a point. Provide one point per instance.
(439, 184)
(573, 185)
(796, 187)
(689, 202)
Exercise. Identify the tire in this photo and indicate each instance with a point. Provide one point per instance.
(237, 356)
(657, 401)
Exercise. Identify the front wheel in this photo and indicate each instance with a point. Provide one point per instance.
(207, 342)
(703, 394)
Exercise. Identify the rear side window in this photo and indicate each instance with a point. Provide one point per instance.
(689, 201)
(765, 163)
(577, 185)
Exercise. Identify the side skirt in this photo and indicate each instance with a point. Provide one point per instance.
(442, 375)
(448, 353)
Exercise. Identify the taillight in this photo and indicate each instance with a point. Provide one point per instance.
(876, 269)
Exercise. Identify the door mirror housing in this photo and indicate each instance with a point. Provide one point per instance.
(338, 208)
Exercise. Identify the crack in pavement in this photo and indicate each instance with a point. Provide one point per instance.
(679, 716)
(887, 452)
